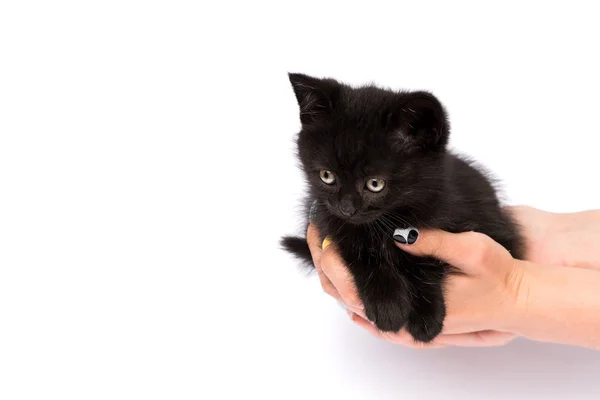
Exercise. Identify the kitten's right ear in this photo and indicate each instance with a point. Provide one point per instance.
(422, 120)
(316, 97)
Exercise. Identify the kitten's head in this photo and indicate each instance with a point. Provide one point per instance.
(368, 151)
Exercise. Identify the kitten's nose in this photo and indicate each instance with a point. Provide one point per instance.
(347, 208)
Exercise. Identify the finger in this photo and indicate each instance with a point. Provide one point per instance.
(468, 251)
(332, 291)
(313, 238)
(476, 339)
(359, 312)
(328, 286)
(403, 339)
(334, 267)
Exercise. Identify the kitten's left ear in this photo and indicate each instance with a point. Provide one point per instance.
(424, 121)
(316, 97)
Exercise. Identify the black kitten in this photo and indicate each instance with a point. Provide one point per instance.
(376, 160)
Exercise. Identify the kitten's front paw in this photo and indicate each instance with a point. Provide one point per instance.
(388, 316)
(425, 325)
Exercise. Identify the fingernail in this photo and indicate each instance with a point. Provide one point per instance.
(312, 214)
(326, 242)
(406, 236)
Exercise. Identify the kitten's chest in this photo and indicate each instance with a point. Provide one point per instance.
(366, 244)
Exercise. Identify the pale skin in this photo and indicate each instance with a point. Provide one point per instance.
(552, 296)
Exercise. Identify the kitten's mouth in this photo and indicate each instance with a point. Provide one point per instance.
(359, 218)
(362, 220)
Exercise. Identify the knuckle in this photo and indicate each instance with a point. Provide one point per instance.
(481, 251)
(438, 247)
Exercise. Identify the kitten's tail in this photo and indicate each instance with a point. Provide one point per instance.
(298, 247)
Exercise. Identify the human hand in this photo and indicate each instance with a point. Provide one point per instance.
(562, 239)
(479, 300)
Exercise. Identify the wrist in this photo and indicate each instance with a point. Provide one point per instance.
(563, 239)
(577, 246)
(519, 285)
(555, 304)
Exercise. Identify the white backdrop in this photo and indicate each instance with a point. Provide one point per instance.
(147, 173)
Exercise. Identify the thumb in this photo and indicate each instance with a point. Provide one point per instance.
(468, 251)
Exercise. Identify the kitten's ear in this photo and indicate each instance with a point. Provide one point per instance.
(316, 97)
(423, 121)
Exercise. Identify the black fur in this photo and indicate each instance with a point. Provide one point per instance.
(401, 137)
(298, 247)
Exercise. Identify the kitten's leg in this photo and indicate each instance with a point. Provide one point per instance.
(426, 319)
(385, 295)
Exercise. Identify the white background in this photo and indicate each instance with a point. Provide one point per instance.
(147, 172)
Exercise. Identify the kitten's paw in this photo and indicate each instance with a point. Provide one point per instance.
(424, 327)
(388, 316)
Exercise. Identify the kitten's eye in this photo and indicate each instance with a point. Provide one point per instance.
(375, 185)
(327, 177)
